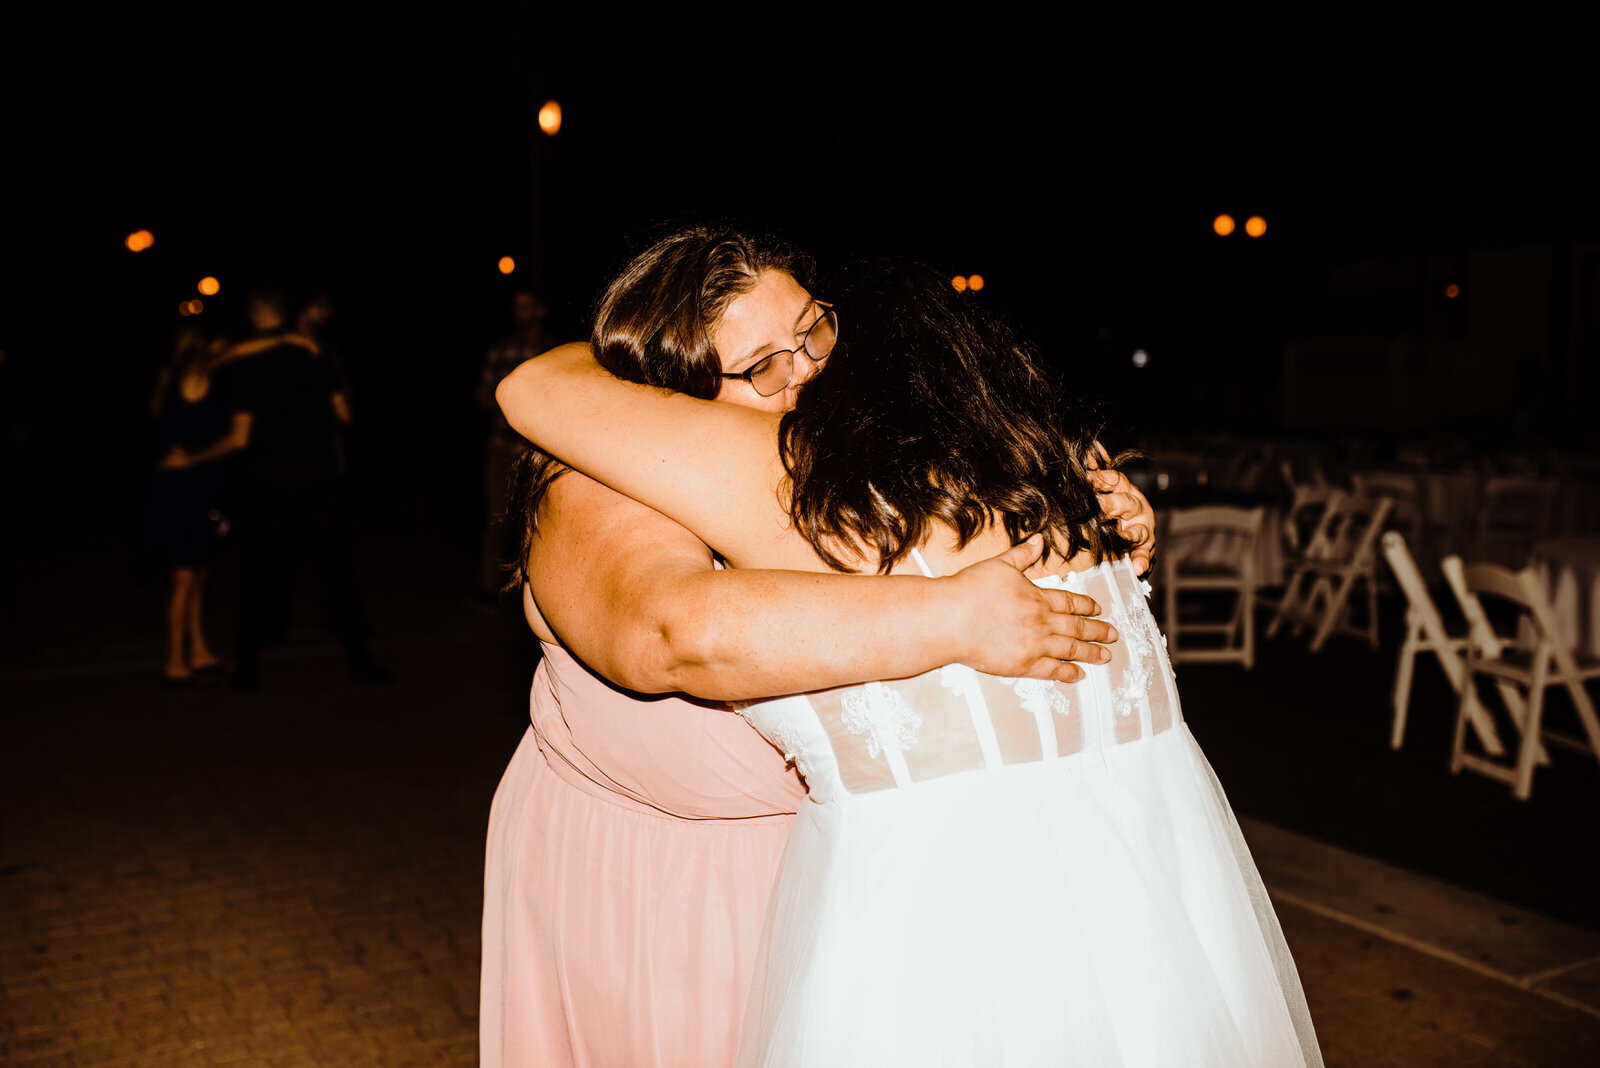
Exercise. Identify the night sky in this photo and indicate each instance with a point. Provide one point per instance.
(392, 163)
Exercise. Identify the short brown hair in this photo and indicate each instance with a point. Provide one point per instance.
(654, 323)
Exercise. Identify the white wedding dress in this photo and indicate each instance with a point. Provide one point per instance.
(996, 871)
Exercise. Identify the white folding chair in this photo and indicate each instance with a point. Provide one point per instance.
(1406, 515)
(1489, 643)
(1341, 556)
(1315, 480)
(1551, 664)
(1305, 524)
(1234, 534)
(1304, 531)
(1425, 633)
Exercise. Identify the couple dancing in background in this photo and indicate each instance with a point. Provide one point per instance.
(996, 863)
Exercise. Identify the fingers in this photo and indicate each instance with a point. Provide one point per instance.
(1084, 629)
(1071, 649)
(1070, 604)
(1075, 618)
(1109, 480)
(1119, 506)
(1025, 554)
(1054, 670)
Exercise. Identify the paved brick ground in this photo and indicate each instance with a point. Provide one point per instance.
(293, 878)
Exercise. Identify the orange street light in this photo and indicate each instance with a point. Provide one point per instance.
(1223, 225)
(1452, 291)
(550, 118)
(140, 240)
(209, 286)
(507, 264)
(975, 282)
(960, 282)
(1255, 226)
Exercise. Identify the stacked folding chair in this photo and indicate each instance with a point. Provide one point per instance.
(1425, 633)
(1340, 557)
(1550, 664)
(1407, 514)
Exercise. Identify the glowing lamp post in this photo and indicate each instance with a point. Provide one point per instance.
(550, 118)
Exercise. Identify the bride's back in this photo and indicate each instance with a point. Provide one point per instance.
(861, 739)
(931, 443)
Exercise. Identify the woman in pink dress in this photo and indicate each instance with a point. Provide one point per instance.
(988, 870)
(634, 840)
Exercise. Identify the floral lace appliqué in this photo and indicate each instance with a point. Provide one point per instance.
(957, 678)
(791, 745)
(881, 714)
(1138, 632)
(1150, 621)
(1041, 696)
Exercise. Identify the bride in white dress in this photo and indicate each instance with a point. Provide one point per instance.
(989, 871)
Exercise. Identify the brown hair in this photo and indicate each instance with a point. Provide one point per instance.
(931, 410)
(654, 324)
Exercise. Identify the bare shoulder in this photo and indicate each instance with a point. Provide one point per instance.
(597, 559)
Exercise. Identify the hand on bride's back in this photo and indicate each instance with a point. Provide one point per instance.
(1016, 629)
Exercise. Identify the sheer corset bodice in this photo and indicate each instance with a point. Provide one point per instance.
(1133, 930)
(856, 740)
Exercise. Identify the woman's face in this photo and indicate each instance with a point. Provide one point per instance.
(772, 317)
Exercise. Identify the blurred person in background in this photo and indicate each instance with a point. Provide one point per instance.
(289, 409)
(314, 324)
(186, 497)
(528, 339)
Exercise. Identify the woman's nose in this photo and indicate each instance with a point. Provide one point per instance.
(805, 368)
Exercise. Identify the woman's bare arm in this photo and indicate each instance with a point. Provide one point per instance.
(237, 438)
(710, 466)
(635, 596)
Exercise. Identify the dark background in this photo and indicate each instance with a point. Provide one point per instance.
(392, 162)
(392, 159)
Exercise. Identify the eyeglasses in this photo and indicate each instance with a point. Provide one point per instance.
(773, 374)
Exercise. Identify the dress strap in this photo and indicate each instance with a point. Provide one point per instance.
(921, 563)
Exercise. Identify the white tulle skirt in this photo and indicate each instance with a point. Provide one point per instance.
(1098, 910)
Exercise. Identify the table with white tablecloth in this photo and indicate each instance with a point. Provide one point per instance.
(1222, 547)
(1569, 569)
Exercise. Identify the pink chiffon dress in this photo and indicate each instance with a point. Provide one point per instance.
(632, 849)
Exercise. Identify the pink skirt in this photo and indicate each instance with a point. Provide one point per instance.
(615, 935)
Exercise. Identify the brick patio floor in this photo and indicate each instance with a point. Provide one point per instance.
(294, 877)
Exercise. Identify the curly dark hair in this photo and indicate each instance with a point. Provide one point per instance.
(931, 410)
